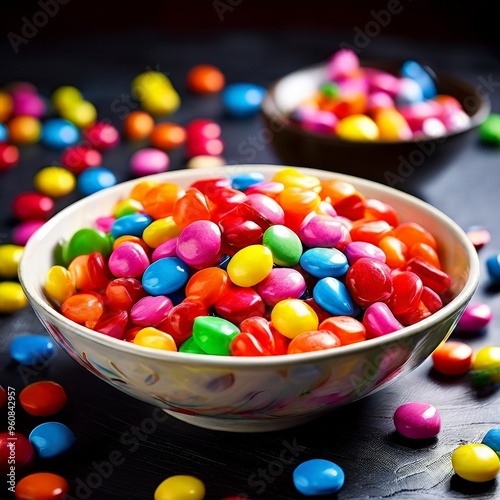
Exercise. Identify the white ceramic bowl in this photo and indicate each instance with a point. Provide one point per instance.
(251, 394)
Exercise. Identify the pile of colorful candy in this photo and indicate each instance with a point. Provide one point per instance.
(367, 104)
(240, 266)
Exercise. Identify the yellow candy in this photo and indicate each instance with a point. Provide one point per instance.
(81, 113)
(180, 488)
(291, 177)
(161, 103)
(12, 297)
(392, 125)
(488, 358)
(160, 230)
(156, 93)
(55, 181)
(156, 339)
(149, 81)
(475, 462)
(127, 207)
(293, 316)
(66, 96)
(59, 284)
(10, 255)
(357, 128)
(250, 265)
(6, 106)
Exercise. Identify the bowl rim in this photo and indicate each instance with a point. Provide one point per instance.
(271, 111)
(39, 303)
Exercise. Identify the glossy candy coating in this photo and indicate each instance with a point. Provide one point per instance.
(180, 487)
(10, 255)
(417, 420)
(129, 260)
(132, 224)
(214, 335)
(58, 133)
(23, 231)
(9, 156)
(206, 285)
(324, 262)
(475, 462)
(54, 181)
(174, 271)
(318, 477)
(24, 129)
(12, 297)
(316, 340)
(43, 398)
(477, 315)
(487, 359)
(199, 244)
(31, 350)
(102, 136)
(379, 320)
(358, 249)
(155, 339)
(85, 241)
(453, 358)
(239, 303)
(242, 100)
(42, 486)
(31, 205)
(149, 161)
(83, 308)
(332, 295)
(95, 179)
(347, 329)
(280, 284)
(138, 125)
(205, 79)
(150, 311)
(492, 439)
(51, 439)
(284, 244)
(180, 319)
(292, 317)
(250, 265)
(80, 157)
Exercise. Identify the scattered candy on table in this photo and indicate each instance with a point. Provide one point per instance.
(51, 439)
(358, 103)
(12, 297)
(205, 79)
(43, 398)
(453, 358)
(10, 256)
(138, 125)
(94, 179)
(477, 315)
(417, 420)
(149, 161)
(318, 477)
(242, 100)
(23, 452)
(479, 236)
(492, 439)
(31, 350)
(489, 130)
(475, 462)
(58, 133)
(54, 181)
(180, 487)
(155, 93)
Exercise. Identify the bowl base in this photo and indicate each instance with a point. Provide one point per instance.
(242, 424)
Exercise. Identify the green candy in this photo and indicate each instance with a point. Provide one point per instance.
(330, 90)
(191, 347)
(284, 244)
(214, 335)
(489, 130)
(85, 241)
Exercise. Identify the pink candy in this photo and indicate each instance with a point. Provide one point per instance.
(323, 231)
(150, 310)
(281, 283)
(358, 249)
(267, 207)
(475, 317)
(379, 320)
(23, 231)
(199, 243)
(149, 161)
(129, 260)
(417, 420)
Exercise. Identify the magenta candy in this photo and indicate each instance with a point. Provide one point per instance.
(166, 249)
(28, 103)
(476, 316)
(323, 122)
(149, 161)
(25, 230)
(323, 231)
(104, 224)
(129, 260)
(267, 207)
(417, 113)
(455, 120)
(417, 420)
(102, 136)
(150, 310)
(379, 320)
(382, 82)
(351, 85)
(342, 63)
(358, 249)
(199, 243)
(280, 284)
(379, 100)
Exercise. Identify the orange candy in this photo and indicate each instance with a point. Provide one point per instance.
(371, 231)
(159, 201)
(79, 271)
(83, 308)
(395, 251)
(453, 358)
(316, 340)
(141, 188)
(426, 252)
(168, 136)
(42, 486)
(24, 129)
(348, 329)
(6, 106)
(205, 79)
(207, 285)
(411, 233)
(138, 125)
(191, 207)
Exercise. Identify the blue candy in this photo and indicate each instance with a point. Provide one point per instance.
(410, 92)
(58, 133)
(94, 179)
(318, 477)
(492, 439)
(242, 99)
(244, 181)
(31, 350)
(51, 439)
(165, 276)
(324, 262)
(334, 297)
(133, 224)
(415, 71)
(4, 134)
(493, 267)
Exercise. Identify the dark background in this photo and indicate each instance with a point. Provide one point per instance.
(100, 46)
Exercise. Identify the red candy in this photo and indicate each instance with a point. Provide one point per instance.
(191, 207)
(239, 303)
(431, 276)
(207, 285)
(258, 338)
(407, 290)
(9, 156)
(102, 136)
(112, 324)
(369, 281)
(123, 293)
(32, 205)
(22, 452)
(79, 158)
(43, 398)
(3, 396)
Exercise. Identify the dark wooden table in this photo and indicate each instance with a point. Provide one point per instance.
(123, 450)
